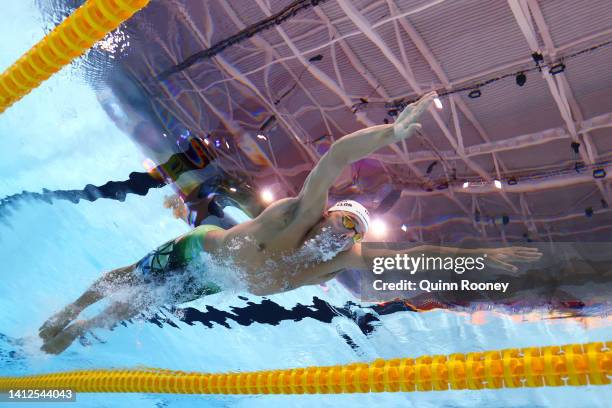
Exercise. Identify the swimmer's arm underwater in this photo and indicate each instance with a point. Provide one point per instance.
(354, 147)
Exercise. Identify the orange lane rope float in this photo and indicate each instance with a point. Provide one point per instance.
(75, 35)
(550, 366)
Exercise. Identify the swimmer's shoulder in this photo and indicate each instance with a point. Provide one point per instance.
(214, 240)
(272, 221)
(277, 215)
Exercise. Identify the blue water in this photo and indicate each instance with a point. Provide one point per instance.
(58, 137)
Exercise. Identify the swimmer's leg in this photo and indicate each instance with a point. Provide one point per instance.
(115, 313)
(106, 284)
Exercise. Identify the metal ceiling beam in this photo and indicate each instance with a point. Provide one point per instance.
(356, 63)
(559, 89)
(235, 73)
(540, 220)
(352, 57)
(525, 186)
(360, 21)
(511, 66)
(437, 69)
(262, 44)
(526, 212)
(509, 144)
(435, 66)
(316, 72)
(335, 88)
(230, 124)
(564, 88)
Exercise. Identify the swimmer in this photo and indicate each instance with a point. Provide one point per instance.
(294, 242)
(194, 209)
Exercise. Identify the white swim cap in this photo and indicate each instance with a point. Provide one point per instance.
(354, 207)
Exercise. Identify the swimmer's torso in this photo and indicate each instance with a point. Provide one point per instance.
(266, 249)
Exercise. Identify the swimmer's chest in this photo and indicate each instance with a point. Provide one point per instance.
(279, 230)
(267, 243)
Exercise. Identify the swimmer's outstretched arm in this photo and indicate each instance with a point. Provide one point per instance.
(354, 147)
(500, 258)
(104, 285)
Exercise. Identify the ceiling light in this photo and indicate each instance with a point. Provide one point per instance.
(556, 69)
(497, 183)
(475, 94)
(262, 137)
(599, 173)
(227, 144)
(466, 184)
(438, 103)
(378, 228)
(404, 227)
(267, 196)
(233, 189)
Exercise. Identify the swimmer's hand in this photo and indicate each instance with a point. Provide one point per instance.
(58, 321)
(64, 338)
(406, 123)
(503, 258)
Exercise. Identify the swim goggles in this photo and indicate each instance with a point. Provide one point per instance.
(350, 223)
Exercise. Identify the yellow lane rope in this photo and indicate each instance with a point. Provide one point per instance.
(75, 35)
(551, 366)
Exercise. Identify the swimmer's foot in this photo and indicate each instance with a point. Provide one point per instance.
(58, 321)
(65, 338)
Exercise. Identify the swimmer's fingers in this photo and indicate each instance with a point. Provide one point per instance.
(497, 263)
(527, 257)
(424, 103)
(406, 123)
(415, 109)
(526, 254)
(526, 249)
(58, 321)
(404, 114)
(523, 258)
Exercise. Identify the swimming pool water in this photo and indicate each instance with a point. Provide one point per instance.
(58, 137)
